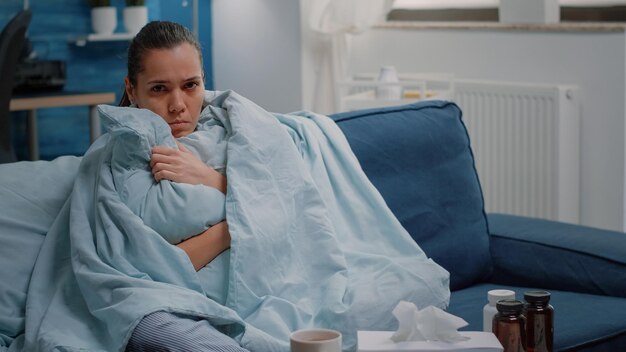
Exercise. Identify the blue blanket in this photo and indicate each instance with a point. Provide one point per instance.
(313, 243)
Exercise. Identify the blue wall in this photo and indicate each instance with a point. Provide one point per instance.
(98, 66)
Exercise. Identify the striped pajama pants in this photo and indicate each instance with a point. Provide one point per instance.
(169, 332)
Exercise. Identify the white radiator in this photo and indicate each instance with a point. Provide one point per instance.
(526, 143)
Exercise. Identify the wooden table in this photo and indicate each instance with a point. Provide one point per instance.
(32, 102)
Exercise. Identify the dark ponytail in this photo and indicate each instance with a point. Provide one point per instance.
(155, 35)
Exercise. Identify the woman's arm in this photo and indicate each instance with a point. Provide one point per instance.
(181, 165)
(204, 247)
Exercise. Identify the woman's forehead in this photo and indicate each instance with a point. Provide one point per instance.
(179, 62)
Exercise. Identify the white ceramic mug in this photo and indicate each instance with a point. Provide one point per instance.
(315, 340)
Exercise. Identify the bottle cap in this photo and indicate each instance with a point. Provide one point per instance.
(537, 296)
(509, 306)
(495, 295)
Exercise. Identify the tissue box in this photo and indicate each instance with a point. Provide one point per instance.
(380, 341)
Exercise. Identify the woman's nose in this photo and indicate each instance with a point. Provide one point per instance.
(176, 103)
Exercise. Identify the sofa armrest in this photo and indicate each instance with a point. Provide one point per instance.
(553, 255)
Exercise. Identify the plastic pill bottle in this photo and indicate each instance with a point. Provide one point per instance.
(489, 310)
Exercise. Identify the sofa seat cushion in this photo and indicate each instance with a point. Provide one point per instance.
(581, 320)
(418, 157)
(591, 260)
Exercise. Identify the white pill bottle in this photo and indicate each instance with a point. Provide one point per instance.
(490, 308)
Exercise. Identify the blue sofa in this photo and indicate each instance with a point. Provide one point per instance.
(419, 158)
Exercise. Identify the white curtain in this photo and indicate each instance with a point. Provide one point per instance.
(336, 21)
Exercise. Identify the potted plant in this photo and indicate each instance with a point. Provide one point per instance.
(135, 15)
(103, 17)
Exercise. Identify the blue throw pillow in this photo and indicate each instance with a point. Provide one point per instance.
(419, 158)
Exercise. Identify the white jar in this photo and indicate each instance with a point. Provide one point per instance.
(490, 308)
(386, 90)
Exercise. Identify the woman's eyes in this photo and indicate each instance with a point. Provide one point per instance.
(191, 85)
(162, 88)
(157, 89)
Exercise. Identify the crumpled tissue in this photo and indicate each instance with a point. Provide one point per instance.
(428, 324)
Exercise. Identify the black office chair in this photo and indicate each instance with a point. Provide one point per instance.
(11, 42)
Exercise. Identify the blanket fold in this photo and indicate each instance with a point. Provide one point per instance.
(313, 243)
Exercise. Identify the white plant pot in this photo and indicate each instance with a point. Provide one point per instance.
(104, 19)
(135, 17)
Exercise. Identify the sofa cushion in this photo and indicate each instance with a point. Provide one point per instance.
(590, 260)
(419, 158)
(605, 330)
(31, 196)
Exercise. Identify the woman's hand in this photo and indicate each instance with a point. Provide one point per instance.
(205, 247)
(181, 165)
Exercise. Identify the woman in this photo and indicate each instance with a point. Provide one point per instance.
(165, 76)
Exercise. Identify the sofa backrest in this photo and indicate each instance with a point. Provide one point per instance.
(418, 156)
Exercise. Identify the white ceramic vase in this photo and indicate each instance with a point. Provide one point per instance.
(135, 17)
(104, 19)
(386, 90)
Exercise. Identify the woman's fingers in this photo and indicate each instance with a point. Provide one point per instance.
(164, 163)
(164, 155)
(163, 175)
(155, 159)
(159, 149)
(181, 165)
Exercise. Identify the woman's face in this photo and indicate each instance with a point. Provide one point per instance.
(171, 86)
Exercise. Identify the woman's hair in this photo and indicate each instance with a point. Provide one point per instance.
(155, 35)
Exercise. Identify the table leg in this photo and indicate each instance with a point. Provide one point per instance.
(94, 123)
(33, 137)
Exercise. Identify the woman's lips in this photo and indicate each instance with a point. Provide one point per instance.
(179, 128)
